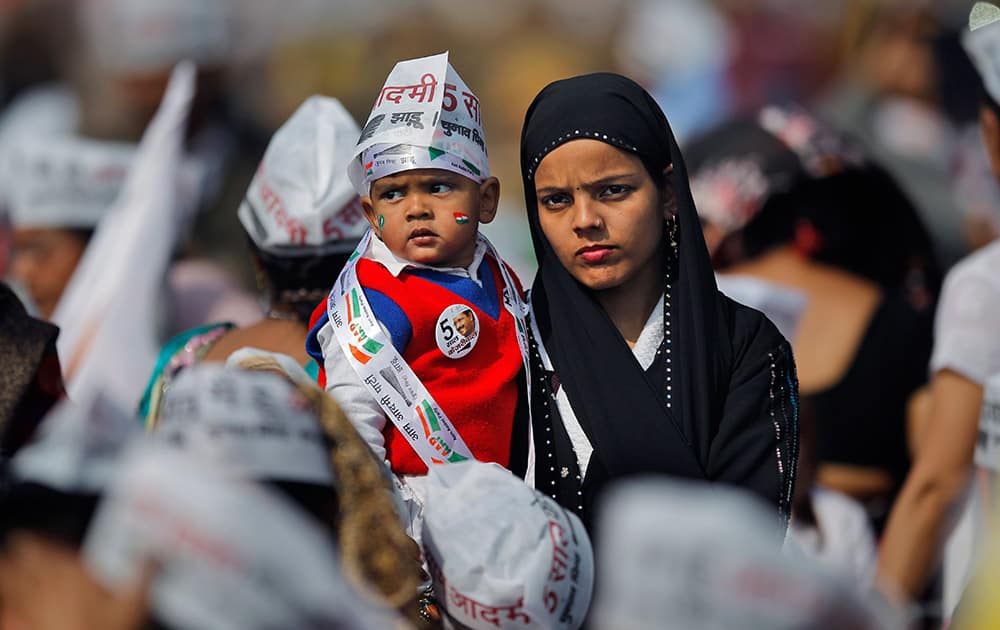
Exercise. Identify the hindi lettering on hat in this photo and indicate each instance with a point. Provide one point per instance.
(982, 42)
(503, 555)
(256, 421)
(300, 200)
(77, 448)
(684, 555)
(425, 116)
(229, 554)
(61, 181)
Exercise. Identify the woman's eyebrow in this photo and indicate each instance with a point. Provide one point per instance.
(610, 179)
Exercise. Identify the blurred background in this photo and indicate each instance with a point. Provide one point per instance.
(874, 68)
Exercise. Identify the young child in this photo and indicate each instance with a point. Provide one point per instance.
(422, 337)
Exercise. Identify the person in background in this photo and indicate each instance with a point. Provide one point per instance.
(966, 354)
(790, 202)
(302, 219)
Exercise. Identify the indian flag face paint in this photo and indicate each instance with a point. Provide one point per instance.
(461, 218)
(381, 222)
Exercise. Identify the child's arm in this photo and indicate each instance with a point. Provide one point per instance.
(343, 384)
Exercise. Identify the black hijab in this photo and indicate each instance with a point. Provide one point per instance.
(708, 411)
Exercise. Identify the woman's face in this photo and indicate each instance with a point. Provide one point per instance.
(601, 212)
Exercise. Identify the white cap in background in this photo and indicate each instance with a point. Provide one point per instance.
(301, 200)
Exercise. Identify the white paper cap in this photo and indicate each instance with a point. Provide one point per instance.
(257, 421)
(680, 555)
(982, 42)
(301, 200)
(503, 555)
(77, 447)
(231, 554)
(154, 35)
(61, 181)
(425, 106)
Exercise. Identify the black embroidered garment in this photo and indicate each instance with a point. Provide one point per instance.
(720, 404)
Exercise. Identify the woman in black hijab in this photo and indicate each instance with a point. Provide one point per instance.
(706, 388)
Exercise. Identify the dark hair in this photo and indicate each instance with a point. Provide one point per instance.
(299, 282)
(867, 226)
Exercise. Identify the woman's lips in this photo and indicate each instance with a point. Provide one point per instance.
(595, 253)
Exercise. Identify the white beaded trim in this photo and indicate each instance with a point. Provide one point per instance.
(576, 133)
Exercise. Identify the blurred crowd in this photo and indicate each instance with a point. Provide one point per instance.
(844, 160)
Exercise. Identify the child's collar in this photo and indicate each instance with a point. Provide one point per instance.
(381, 254)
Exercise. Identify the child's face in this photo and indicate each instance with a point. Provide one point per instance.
(431, 216)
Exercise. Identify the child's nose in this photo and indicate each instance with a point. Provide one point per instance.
(419, 208)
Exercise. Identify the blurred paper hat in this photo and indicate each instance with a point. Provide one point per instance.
(257, 421)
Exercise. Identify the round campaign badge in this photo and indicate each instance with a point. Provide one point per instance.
(457, 331)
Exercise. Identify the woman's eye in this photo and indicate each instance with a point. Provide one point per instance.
(439, 188)
(557, 200)
(616, 190)
(392, 195)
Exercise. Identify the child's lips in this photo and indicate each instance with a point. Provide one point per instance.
(422, 236)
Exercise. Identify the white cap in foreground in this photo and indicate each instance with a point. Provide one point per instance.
(982, 42)
(77, 447)
(257, 421)
(228, 554)
(503, 555)
(686, 556)
(300, 200)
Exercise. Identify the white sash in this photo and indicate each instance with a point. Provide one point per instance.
(391, 381)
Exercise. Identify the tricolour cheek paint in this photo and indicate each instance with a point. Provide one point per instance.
(461, 218)
(381, 222)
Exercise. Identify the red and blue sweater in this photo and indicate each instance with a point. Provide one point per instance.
(479, 391)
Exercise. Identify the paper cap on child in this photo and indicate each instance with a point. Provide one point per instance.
(300, 200)
(257, 421)
(982, 42)
(503, 555)
(229, 554)
(685, 555)
(425, 116)
(61, 181)
(77, 447)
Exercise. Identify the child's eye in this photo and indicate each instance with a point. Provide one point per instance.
(392, 195)
(616, 190)
(556, 201)
(440, 187)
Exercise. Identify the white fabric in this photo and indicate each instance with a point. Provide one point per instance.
(503, 555)
(684, 555)
(781, 305)
(61, 180)
(967, 324)
(231, 554)
(300, 196)
(77, 447)
(842, 539)
(988, 445)
(424, 104)
(257, 421)
(288, 365)
(48, 109)
(135, 36)
(107, 315)
(982, 42)
(644, 352)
